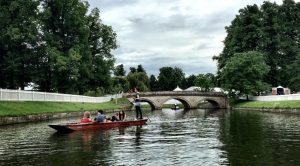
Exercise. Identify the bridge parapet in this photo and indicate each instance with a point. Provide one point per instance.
(172, 93)
(189, 99)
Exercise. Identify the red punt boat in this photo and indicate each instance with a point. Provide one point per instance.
(70, 127)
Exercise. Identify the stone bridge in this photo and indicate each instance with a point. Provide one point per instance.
(190, 99)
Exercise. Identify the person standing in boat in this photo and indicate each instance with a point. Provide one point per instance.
(101, 117)
(137, 100)
(86, 117)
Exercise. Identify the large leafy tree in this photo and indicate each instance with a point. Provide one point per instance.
(132, 69)
(102, 39)
(271, 29)
(76, 52)
(244, 73)
(153, 83)
(242, 35)
(140, 69)
(119, 70)
(169, 78)
(294, 74)
(140, 80)
(204, 82)
(18, 42)
(65, 35)
(119, 83)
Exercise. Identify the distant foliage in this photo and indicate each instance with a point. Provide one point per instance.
(204, 82)
(169, 78)
(59, 47)
(119, 70)
(271, 29)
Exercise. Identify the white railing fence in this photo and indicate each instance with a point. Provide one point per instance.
(274, 97)
(22, 95)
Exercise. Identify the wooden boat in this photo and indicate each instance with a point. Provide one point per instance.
(175, 108)
(70, 127)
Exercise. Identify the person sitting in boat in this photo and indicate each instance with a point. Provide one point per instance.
(176, 106)
(115, 118)
(101, 117)
(86, 118)
(122, 116)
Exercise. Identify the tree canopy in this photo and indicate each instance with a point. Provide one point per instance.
(244, 73)
(58, 47)
(119, 70)
(271, 29)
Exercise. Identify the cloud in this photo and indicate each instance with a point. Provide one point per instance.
(174, 33)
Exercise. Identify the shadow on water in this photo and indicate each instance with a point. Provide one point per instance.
(256, 138)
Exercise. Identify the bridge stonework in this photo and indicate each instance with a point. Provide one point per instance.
(190, 99)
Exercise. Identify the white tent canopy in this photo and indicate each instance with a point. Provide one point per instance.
(177, 89)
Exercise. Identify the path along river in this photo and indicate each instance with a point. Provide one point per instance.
(182, 137)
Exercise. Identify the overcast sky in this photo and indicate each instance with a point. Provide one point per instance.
(170, 33)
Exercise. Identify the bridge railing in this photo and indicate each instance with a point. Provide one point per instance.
(22, 95)
(176, 93)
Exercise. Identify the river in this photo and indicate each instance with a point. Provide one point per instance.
(182, 137)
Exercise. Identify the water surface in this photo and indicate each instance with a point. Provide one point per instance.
(182, 137)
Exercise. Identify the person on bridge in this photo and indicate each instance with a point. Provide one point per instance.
(137, 100)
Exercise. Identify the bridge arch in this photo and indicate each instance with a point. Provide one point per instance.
(150, 102)
(184, 101)
(214, 103)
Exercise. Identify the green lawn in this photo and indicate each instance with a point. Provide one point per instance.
(289, 104)
(11, 108)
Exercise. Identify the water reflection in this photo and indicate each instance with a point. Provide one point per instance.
(181, 137)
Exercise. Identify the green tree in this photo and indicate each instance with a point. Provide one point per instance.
(188, 81)
(242, 35)
(204, 83)
(212, 78)
(140, 80)
(169, 78)
(18, 42)
(289, 38)
(119, 84)
(140, 69)
(294, 74)
(119, 70)
(102, 39)
(65, 35)
(166, 81)
(153, 83)
(271, 29)
(132, 70)
(244, 73)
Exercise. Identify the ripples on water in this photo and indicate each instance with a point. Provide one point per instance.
(182, 137)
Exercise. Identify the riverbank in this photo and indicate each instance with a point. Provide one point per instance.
(19, 112)
(23, 108)
(289, 106)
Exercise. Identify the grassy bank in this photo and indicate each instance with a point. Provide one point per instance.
(11, 108)
(289, 104)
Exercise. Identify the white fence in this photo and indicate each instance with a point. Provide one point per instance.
(21, 95)
(274, 97)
